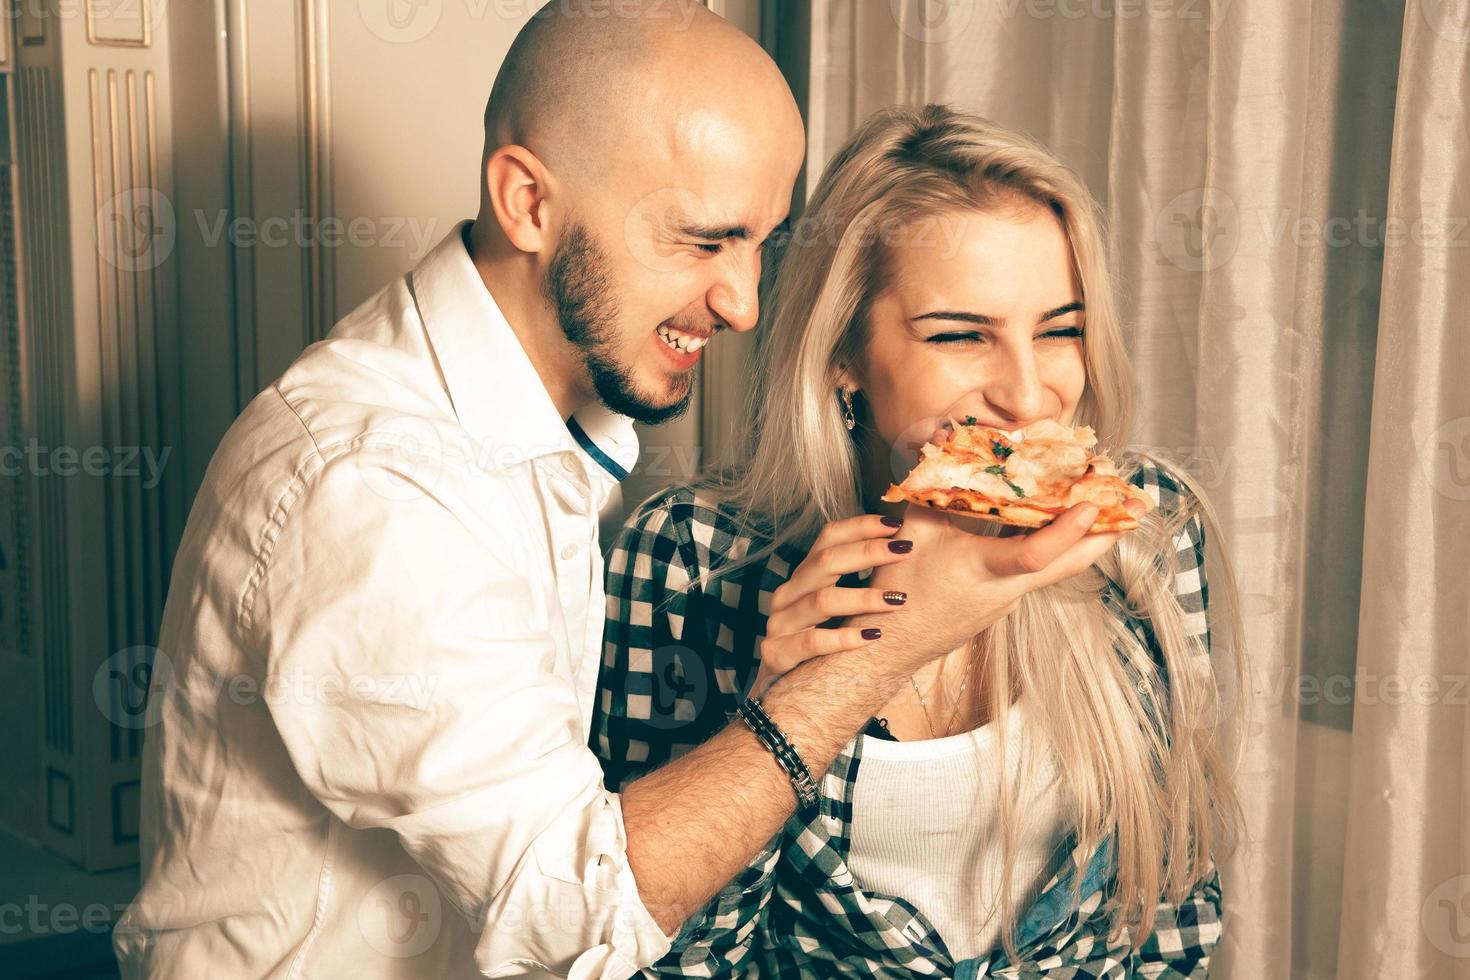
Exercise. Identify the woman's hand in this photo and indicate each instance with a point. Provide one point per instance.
(972, 581)
(811, 597)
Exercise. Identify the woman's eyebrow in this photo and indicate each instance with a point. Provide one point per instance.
(995, 321)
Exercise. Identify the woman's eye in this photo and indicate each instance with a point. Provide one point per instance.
(1064, 333)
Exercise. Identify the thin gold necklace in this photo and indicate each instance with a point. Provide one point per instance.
(956, 701)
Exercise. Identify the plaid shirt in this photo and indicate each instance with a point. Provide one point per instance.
(678, 661)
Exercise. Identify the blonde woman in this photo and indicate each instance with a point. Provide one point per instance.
(1052, 795)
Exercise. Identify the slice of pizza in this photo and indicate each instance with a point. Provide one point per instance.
(1025, 478)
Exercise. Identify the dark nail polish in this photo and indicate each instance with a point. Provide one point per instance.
(900, 547)
(895, 598)
(892, 522)
(872, 633)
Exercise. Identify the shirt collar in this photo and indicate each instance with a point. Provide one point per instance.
(497, 395)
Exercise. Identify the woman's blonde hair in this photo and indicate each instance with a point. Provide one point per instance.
(1164, 792)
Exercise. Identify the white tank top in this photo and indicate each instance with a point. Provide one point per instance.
(926, 828)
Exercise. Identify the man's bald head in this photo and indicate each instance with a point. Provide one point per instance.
(590, 84)
(638, 155)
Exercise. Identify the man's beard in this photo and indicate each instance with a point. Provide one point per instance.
(579, 287)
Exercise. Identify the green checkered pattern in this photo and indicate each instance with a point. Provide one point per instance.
(677, 662)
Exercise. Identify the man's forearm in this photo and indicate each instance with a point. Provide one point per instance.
(696, 823)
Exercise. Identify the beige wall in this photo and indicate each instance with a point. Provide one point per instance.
(261, 121)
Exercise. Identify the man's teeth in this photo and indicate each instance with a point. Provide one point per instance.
(683, 343)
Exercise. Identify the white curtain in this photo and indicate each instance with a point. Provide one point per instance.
(1288, 183)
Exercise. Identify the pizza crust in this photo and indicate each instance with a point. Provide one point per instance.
(1098, 484)
(967, 503)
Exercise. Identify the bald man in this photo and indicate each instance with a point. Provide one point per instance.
(374, 685)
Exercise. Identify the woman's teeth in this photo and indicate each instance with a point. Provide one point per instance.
(682, 343)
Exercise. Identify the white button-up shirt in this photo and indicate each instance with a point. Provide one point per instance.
(373, 690)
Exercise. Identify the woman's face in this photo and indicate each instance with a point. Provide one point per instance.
(984, 320)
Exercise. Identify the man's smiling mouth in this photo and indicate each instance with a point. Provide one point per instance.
(684, 343)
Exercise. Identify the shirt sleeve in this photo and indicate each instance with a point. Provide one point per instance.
(1190, 587)
(434, 704)
(655, 692)
(651, 686)
(1174, 498)
(1184, 936)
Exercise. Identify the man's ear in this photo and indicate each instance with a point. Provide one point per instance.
(518, 185)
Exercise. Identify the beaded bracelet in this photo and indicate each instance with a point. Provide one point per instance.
(783, 749)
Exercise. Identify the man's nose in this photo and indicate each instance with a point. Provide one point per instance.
(734, 298)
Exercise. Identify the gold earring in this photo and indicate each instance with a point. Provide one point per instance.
(849, 417)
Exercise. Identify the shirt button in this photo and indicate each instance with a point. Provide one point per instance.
(569, 552)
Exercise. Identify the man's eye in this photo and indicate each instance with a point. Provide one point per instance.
(710, 248)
